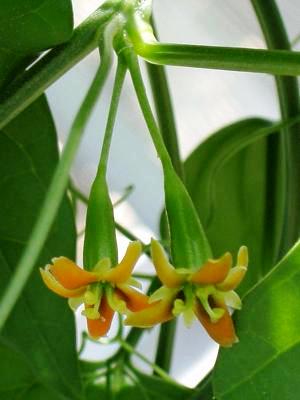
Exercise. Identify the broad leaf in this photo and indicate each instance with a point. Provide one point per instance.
(39, 334)
(265, 364)
(28, 27)
(227, 179)
(157, 388)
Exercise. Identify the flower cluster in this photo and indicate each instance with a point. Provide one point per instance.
(206, 292)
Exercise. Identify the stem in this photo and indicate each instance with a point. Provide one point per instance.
(276, 37)
(33, 82)
(276, 62)
(167, 127)
(120, 76)
(164, 111)
(159, 371)
(54, 195)
(127, 192)
(295, 41)
(165, 345)
(140, 90)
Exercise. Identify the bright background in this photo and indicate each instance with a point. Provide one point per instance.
(204, 101)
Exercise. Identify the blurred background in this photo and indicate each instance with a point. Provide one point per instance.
(203, 100)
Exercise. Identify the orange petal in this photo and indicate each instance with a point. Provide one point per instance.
(135, 301)
(68, 274)
(222, 331)
(156, 313)
(99, 327)
(57, 288)
(213, 271)
(121, 273)
(165, 271)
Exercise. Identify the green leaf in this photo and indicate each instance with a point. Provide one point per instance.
(226, 177)
(157, 388)
(41, 328)
(28, 27)
(265, 364)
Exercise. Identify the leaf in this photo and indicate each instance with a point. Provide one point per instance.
(265, 364)
(28, 27)
(227, 179)
(41, 328)
(157, 388)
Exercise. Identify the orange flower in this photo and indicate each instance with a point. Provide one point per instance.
(205, 292)
(103, 290)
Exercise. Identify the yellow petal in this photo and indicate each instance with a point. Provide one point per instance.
(213, 271)
(57, 288)
(121, 273)
(165, 271)
(222, 331)
(69, 275)
(156, 313)
(233, 279)
(242, 258)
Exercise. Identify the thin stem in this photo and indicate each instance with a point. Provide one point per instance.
(54, 195)
(295, 41)
(120, 76)
(275, 62)
(165, 345)
(167, 127)
(160, 372)
(140, 90)
(276, 38)
(127, 192)
(33, 82)
(164, 111)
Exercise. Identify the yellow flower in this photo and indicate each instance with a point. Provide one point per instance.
(103, 290)
(205, 292)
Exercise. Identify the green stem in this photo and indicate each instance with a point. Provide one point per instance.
(140, 90)
(276, 62)
(32, 83)
(165, 347)
(159, 371)
(167, 127)
(295, 41)
(164, 111)
(54, 195)
(276, 38)
(128, 190)
(120, 76)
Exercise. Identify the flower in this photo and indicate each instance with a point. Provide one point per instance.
(103, 290)
(205, 292)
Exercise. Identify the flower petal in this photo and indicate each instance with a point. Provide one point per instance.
(165, 271)
(135, 301)
(156, 313)
(213, 271)
(121, 273)
(242, 258)
(69, 275)
(222, 331)
(57, 288)
(233, 279)
(99, 327)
